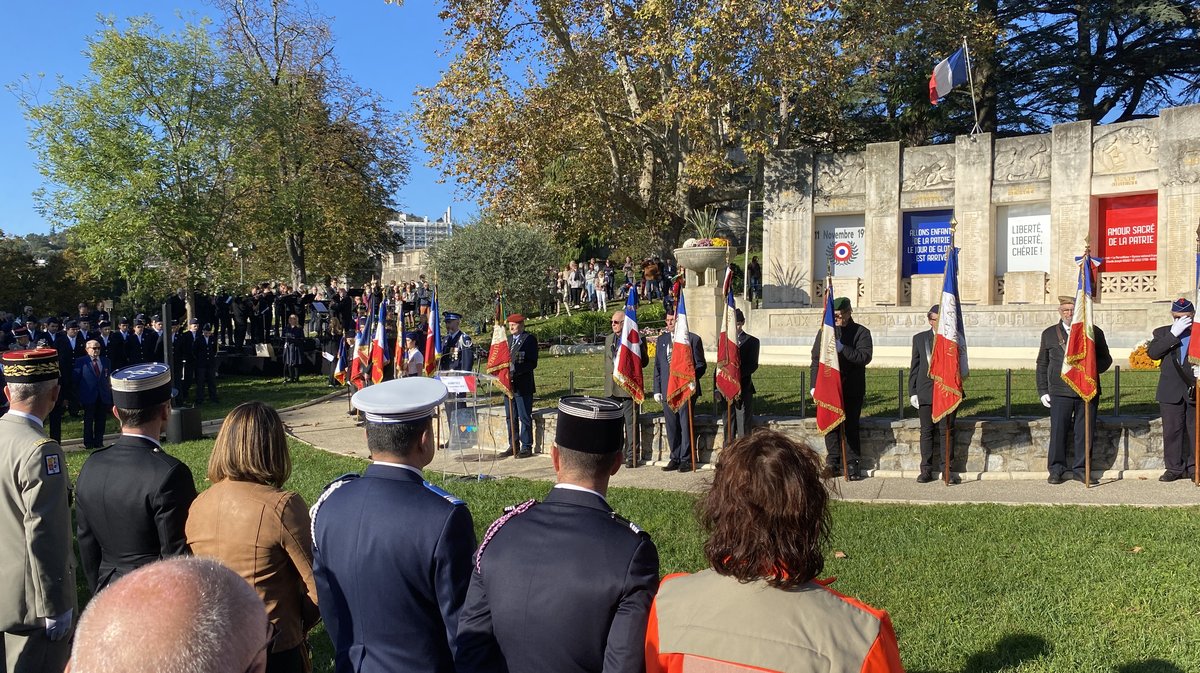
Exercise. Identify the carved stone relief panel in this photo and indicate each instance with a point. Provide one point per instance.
(1022, 159)
(841, 174)
(927, 168)
(1128, 148)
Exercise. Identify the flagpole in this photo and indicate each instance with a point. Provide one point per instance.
(949, 248)
(692, 433)
(1085, 267)
(971, 81)
(1196, 438)
(842, 437)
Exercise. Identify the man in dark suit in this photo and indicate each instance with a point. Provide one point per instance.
(1065, 405)
(131, 498)
(564, 585)
(186, 359)
(855, 348)
(920, 391)
(742, 410)
(204, 357)
(524, 349)
(95, 393)
(678, 424)
(1176, 392)
(617, 392)
(392, 552)
(140, 345)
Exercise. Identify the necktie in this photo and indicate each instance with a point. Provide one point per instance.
(96, 366)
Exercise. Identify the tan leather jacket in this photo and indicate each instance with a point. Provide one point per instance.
(263, 534)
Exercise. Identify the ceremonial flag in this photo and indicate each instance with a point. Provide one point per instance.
(433, 340)
(948, 361)
(360, 365)
(1079, 368)
(400, 354)
(729, 361)
(379, 355)
(1193, 354)
(947, 75)
(681, 383)
(627, 365)
(339, 369)
(499, 362)
(827, 392)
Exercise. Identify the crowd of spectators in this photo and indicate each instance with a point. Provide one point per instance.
(592, 284)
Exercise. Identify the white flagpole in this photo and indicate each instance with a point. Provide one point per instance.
(971, 81)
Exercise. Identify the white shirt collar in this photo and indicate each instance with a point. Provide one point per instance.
(573, 487)
(410, 468)
(1066, 326)
(148, 438)
(29, 417)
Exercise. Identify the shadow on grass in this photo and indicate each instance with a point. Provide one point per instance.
(1008, 652)
(1149, 666)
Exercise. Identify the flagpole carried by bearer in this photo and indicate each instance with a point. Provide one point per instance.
(827, 383)
(948, 357)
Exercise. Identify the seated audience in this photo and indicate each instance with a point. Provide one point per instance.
(186, 615)
(248, 522)
(760, 605)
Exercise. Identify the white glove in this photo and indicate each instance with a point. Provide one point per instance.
(916, 404)
(58, 627)
(840, 346)
(1046, 401)
(658, 397)
(1181, 325)
(812, 392)
(1196, 371)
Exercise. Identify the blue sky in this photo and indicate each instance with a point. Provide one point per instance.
(392, 50)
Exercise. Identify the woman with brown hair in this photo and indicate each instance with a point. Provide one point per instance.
(760, 606)
(248, 522)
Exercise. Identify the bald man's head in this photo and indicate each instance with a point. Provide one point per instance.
(183, 615)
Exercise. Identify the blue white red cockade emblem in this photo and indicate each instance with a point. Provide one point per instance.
(842, 252)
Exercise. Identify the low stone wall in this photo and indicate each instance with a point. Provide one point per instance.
(988, 448)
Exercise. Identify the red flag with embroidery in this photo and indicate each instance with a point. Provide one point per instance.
(948, 361)
(827, 394)
(627, 367)
(499, 362)
(681, 384)
(379, 350)
(1079, 369)
(729, 361)
(339, 369)
(360, 364)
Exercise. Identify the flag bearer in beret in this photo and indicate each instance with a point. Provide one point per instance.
(564, 585)
(1065, 405)
(392, 552)
(37, 574)
(854, 348)
(1176, 393)
(742, 408)
(524, 349)
(131, 498)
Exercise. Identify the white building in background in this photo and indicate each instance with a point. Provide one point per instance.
(420, 232)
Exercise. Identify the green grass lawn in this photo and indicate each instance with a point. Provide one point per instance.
(232, 391)
(779, 389)
(971, 588)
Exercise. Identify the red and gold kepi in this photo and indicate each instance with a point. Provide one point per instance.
(30, 366)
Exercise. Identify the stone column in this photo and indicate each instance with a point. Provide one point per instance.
(1070, 203)
(976, 217)
(1178, 200)
(787, 229)
(882, 241)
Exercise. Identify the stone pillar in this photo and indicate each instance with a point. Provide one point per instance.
(882, 241)
(1178, 200)
(1070, 203)
(976, 218)
(787, 229)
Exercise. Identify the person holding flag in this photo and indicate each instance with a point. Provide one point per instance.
(920, 391)
(433, 338)
(738, 365)
(625, 359)
(679, 366)
(379, 349)
(1176, 392)
(1067, 414)
(854, 347)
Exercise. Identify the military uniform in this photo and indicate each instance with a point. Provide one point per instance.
(392, 552)
(37, 577)
(564, 585)
(132, 498)
(524, 350)
(458, 354)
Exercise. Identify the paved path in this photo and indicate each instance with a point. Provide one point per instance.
(327, 426)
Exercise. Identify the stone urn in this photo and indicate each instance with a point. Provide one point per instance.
(701, 259)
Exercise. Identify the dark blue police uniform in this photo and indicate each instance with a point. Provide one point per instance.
(560, 586)
(392, 561)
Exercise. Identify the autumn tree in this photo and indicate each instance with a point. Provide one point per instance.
(138, 156)
(328, 155)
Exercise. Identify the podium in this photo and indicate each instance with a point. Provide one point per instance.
(470, 421)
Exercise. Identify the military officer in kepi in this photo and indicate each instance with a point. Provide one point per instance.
(392, 552)
(564, 585)
(458, 354)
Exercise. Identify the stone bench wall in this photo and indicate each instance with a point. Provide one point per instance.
(984, 447)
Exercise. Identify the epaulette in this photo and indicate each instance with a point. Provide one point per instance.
(465, 340)
(509, 513)
(442, 493)
(329, 489)
(622, 520)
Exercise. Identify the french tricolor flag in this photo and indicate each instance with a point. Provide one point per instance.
(948, 362)
(947, 75)
(627, 366)
(681, 383)
(827, 389)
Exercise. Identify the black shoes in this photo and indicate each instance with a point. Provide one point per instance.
(1055, 479)
(1170, 476)
(505, 454)
(686, 467)
(528, 453)
(671, 466)
(924, 478)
